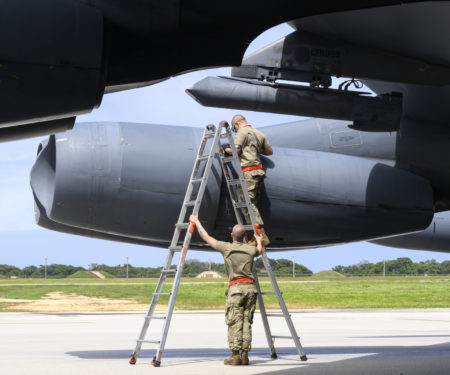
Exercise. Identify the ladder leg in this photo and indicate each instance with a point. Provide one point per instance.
(192, 199)
(264, 319)
(152, 307)
(173, 296)
(284, 308)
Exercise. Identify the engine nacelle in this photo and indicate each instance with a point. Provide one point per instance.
(127, 181)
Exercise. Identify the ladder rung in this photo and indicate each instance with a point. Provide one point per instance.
(248, 227)
(169, 270)
(268, 293)
(182, 225)
(196, 180)
(155, 317)
(283, 337)
(175, 248)
(162, 294)
(149, 341)
(234, 182)
(189, 204)
(227, 159)
(200, 158)
(277, 315)
(240, 204)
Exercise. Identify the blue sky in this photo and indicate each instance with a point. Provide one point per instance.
(23, 243)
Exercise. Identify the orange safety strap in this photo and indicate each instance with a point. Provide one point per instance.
(241, 280)
(253, 168)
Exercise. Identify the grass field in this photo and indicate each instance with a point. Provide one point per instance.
(201, 294)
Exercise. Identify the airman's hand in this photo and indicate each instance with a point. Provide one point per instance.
(194, 218)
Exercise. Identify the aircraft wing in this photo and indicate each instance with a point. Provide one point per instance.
(59, 57)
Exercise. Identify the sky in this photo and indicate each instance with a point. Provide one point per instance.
(23, 243)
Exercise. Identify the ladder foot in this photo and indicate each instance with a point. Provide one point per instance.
(132, 360)
(155, 363)
(274, 356)
(304, 358)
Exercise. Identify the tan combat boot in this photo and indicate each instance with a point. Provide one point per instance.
(266, 241)
(234, 360)
(244, 357)
(252, 242)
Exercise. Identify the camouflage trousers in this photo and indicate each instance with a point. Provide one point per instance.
(253, 183)
(240, 308)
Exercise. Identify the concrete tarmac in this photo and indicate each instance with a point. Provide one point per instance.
(337, 342)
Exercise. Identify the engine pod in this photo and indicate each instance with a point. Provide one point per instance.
(123, 179)
(129, 180)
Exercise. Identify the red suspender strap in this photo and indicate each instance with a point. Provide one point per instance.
(253, 168)
(241, 280)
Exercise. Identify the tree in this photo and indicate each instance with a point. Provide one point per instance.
(445, 267)
(8, 271)
(28, 271)
(283, 267)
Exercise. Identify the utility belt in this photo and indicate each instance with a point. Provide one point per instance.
(241, 280)
(253, 168)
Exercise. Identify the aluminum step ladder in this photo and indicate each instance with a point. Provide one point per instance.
(191, 205)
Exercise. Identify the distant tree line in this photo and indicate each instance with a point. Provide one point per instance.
(57, 271)
(399, 266)
(192, 267)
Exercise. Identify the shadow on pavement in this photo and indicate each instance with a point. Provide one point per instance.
(376, 360)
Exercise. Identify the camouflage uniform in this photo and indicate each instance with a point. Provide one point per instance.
(241, 297)
(240, 308)
(253, 143)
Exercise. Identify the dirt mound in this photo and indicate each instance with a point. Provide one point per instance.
(91, 275)
(61, 302)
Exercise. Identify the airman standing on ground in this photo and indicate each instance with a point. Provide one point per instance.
(241, 293)
(250, 143)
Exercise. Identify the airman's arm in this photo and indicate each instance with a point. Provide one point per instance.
(202, 232)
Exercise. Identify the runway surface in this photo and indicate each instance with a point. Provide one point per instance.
(364, 342)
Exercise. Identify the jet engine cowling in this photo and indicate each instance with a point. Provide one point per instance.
(128, 181)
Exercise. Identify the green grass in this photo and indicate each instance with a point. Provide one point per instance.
(204, 294)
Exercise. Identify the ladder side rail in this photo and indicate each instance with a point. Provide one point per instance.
(187, 197)
(283, 307)
(171, 305)
(206, 173)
